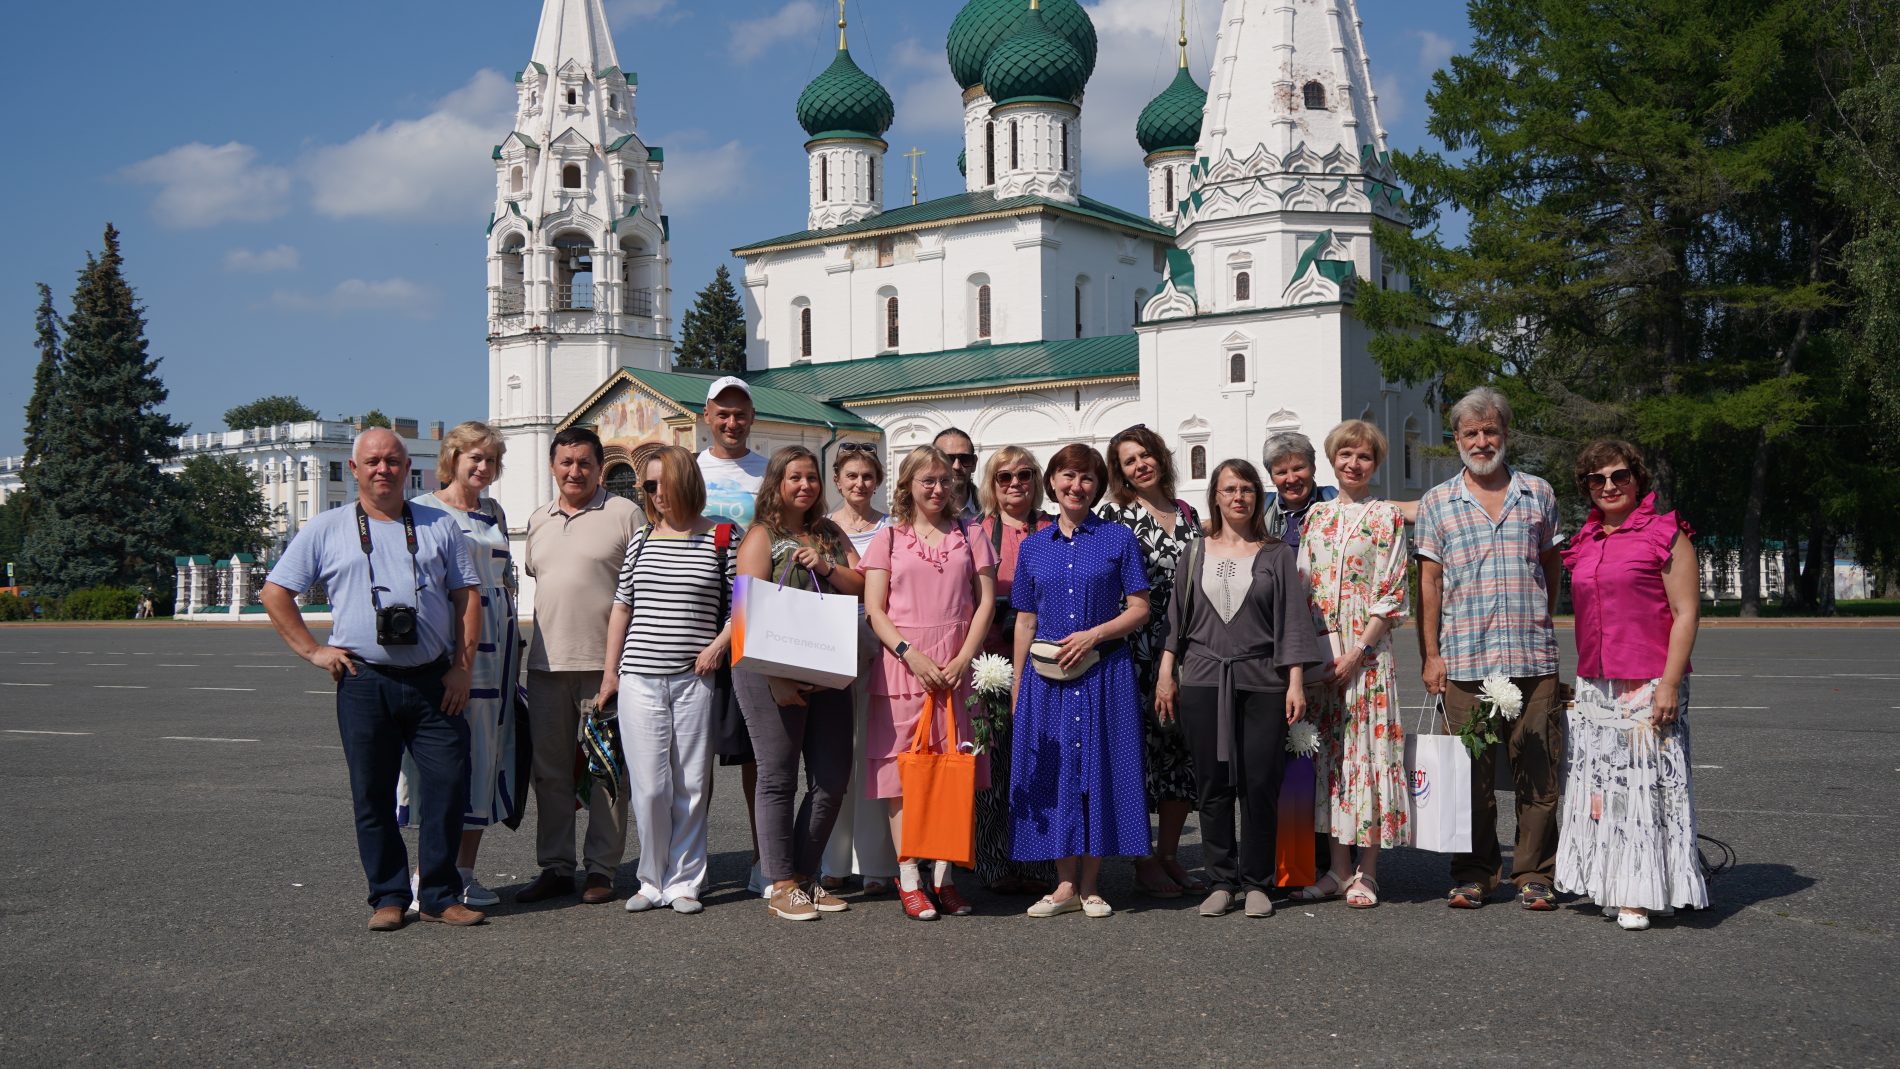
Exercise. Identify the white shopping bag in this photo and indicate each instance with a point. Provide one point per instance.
(794, 634)
(1440, 773)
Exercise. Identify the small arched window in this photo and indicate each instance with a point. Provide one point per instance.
(989, 154)
(1237, 368)
(571, 176)
(627, 181)
(871, 164)
(890, 323)
(1197, 462)
(572, 97)
(1168, 202)
(1015, 145)
(515, 180)
(1078, 309)
(1315, 95)
(804, 332)
(613, 101)
(1065, 146)
(1243, 286)
(983, 311)
(824, 179)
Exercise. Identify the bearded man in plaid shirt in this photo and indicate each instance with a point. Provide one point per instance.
(1487, 546)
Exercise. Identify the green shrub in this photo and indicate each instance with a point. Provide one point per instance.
(99, 603)
(13, 607)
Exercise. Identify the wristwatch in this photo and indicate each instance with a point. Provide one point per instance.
(1366, 653)
(901, 648)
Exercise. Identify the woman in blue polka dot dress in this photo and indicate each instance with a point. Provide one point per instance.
(1077, 788)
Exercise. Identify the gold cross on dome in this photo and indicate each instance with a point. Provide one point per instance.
(913, 156)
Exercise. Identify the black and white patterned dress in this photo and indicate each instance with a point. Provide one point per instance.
(1170, 766)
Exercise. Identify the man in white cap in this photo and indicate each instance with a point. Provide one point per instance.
(731, 469)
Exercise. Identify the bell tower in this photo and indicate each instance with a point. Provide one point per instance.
(578, 262)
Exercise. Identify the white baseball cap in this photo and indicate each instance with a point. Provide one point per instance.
(730, 382)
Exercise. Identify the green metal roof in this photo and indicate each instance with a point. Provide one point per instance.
(962, 206)
(687, 389)
(983, 24)
(1034, 63)
(843, 101)
(1023, 363)
(1172, 120)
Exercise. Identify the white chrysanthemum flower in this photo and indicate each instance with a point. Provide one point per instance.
(1302, 739)
(992, 674)
(1505, 699)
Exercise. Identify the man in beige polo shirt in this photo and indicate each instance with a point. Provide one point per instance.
(575, 548)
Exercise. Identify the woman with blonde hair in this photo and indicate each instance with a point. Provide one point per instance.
(667, 636)
(930, 587)
(1011, 498)
(469, 463)
(791, 541)
(1353, 554)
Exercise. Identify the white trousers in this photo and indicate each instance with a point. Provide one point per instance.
(861, 840)
(666, 727)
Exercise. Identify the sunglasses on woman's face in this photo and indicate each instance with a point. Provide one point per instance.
(651, 486)
(1620, 477)
(1006, 478)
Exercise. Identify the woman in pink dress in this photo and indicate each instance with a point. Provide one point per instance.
(929, 591)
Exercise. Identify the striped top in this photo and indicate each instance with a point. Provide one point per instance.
(673, 587)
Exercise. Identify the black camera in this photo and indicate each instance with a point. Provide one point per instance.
(396, 626)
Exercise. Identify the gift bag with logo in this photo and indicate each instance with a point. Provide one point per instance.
(1293, 844)
(939, 791)
(780, 630)
(1439, 769)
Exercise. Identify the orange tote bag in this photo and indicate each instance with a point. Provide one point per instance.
(939, 792)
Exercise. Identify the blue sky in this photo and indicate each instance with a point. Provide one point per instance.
(303, 190)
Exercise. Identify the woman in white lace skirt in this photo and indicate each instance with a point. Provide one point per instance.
(1629, 833)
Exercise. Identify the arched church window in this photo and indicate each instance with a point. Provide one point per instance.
(871, 194)
(613, 101)
(620, 482)
(1197, 462)
(983, 311)
(804, 332)
(571, 97)
(627, 181)
(824, 179)
(1237, 367)
(1078, 305)
(571, 176)
(890, 323)
(515, 179)
(1243, 286)
(1015, 144)
(989, 154)
(1065, 146)
(1168, 202)
(1315, 95)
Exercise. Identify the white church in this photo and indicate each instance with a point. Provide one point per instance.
(1020, 309)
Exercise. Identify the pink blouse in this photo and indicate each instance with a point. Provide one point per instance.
(1616, 586)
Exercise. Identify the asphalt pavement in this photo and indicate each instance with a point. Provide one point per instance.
(183, 889)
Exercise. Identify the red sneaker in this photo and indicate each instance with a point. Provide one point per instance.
(917, 905)
(952, 902)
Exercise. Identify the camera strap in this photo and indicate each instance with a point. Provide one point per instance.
(409, 533)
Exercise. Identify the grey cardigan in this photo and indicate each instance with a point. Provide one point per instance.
(1273, 629)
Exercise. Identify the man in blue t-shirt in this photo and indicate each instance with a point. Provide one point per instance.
(403, 596)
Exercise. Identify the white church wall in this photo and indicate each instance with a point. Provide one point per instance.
(1041, 421)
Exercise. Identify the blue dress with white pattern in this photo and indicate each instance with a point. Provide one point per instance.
(1077, 785)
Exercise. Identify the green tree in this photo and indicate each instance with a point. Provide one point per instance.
(713, 334)
(45, 375)
(268, 412)
(221, 510)
(102, 514)
(375, 418)
(13, 513)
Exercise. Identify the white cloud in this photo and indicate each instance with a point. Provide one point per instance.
(417, 169)
(1395, 103)
(698, 176)
(1434, 50)
(204, 185)
(752, 38)
(281, 258)
(398, 295)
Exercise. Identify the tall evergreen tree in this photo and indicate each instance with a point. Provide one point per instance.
(713, 334)
(45, 376)
(103, 514)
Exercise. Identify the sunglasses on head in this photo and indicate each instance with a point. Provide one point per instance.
(1024, 475)
(857, 447)
(1620, 477)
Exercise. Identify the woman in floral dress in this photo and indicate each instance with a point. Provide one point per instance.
(1353, 554)
(1141, 498)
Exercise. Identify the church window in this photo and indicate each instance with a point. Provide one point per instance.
(1168, 202)
(1237, 367)
(1197, 462)
(886, 251)
(983, 311)
(1315, 95)
(1065, 146)
(1243, 286)
(890, 323)
(1015, 145)
(627, 181)
(571, 176)
(824, 179)
(613, 101)
(571, 97)
(804, 332)
(989, 154)
(872, 180)
(1078, 311)
(515, 179)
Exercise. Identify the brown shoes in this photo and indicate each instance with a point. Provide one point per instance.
(550, 884)
(599, 889)
(387, 919)
(457, 915)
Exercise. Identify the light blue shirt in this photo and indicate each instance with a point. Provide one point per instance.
(328, 550)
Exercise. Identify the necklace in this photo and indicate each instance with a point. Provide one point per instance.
(852, 523)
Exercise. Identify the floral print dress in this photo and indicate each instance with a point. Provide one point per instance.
(1354, 557)
(1170, 766)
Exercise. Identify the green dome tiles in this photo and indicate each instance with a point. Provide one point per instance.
(843, 101)
(984, 24)
(1034, 63)
(1173, 119)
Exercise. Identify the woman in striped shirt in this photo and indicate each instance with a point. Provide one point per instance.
(669, 632)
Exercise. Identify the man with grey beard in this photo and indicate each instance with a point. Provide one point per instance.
(1487, 546)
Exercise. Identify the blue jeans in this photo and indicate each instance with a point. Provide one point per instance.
(379, 712)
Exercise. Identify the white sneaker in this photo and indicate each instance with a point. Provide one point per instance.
(757, 883)
(474, 894)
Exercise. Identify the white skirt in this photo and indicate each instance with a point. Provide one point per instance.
(1628, 833)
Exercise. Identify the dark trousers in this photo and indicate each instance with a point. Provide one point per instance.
(379, 713)
(792, 835)
(1260, 745)
(1535, 742)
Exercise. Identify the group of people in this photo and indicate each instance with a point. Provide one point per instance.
(1160, 656)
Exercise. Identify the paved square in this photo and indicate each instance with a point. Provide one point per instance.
(183, 889)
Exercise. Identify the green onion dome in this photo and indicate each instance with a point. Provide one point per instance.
(843, 101)
(983, 24)
(1173, 119)
(1034, 63)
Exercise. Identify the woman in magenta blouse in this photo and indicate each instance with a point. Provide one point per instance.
(1629, 838)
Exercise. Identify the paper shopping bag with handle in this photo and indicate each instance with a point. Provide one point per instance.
(939, 791)
(1439, 769)
(780, 630)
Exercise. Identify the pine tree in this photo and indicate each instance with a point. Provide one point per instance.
(104, 512)
(45, 376)
(714, 332)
